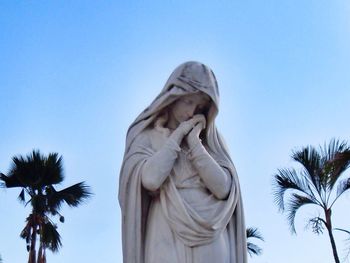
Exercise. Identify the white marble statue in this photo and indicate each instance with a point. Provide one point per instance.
(178, 190)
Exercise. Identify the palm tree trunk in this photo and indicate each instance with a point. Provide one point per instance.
(32, 252)
(44, 255)
(330, 233)
(40, 253)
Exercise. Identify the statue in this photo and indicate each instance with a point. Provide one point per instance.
(178, 191)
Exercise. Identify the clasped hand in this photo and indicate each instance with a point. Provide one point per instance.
(191, 129)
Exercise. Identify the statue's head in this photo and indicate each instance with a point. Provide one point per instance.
(194, 77)
(191, 89)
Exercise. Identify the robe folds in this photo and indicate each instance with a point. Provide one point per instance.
(183, 222)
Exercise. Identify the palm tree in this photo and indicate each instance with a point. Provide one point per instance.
(37, 174)
(318, 183)
(253, 249)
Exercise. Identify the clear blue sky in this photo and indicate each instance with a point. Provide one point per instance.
(75, 74)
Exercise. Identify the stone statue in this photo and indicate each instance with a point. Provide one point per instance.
(178, 190)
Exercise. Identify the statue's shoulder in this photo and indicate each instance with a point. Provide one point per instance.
(143, 138)
(150, 137)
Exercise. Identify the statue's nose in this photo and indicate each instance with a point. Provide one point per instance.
(190, 111)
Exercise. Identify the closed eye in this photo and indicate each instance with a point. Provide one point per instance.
(187, 101)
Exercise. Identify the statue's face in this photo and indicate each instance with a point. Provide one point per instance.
(189, 105)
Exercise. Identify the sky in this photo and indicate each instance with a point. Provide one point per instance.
(75, 74)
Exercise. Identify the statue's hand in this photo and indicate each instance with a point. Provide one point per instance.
(185, 127)
(192, 138)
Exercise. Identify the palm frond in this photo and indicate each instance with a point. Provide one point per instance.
(347, 242)
(339, 163)
(21, 196)
(253, 232)
(332, 168)
(28, 170)
(343, 186)
(53, 170)
(332, 148)
(310, 159)
(50, 237)
(10, 181)
(73, 195)
(344, 155)
(253, 249)
(25, 233)
(343, 230)
(288, 179)
(296, 201)
(317, 225)
(35, 170)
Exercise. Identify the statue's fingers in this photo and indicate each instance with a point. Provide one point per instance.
(188, 125)
(201, 124)
(199, 127)
(199, 118)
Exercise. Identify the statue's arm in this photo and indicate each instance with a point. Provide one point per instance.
(158, 167)
(217, 179)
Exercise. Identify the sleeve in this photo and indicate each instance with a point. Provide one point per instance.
(216, 178)
(158, 167)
